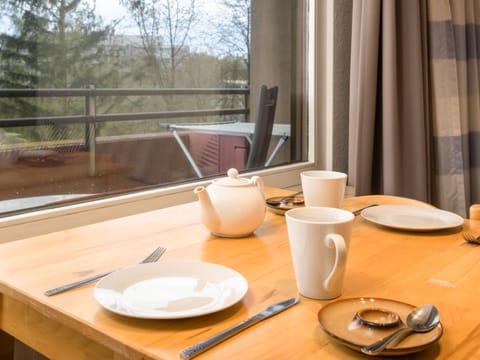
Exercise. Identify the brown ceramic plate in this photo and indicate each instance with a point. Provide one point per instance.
(338, 320)
(290, 203)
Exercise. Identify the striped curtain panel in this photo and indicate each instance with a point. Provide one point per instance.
(454, 47)
(414, 117)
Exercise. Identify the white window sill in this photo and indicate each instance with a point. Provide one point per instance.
(45, 221)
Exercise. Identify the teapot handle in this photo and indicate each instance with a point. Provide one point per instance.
(258, 181)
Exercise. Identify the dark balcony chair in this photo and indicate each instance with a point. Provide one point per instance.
(267, 103)
(258, 134)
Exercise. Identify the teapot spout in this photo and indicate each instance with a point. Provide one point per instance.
(208, 213)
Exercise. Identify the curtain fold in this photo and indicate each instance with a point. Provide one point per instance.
(363, 89)
(414, 100)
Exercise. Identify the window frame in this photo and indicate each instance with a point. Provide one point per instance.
(319, 153)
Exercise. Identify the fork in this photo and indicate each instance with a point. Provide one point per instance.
(471, 238)
(154, 256)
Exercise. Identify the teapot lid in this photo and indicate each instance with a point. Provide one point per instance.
(232, 179)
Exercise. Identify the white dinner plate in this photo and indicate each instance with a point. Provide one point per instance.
(416, 218)
(170, 289)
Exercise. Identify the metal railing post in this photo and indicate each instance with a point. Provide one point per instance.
(247, 106)
(90, 129)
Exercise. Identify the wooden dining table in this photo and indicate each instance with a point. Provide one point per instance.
(433, 267)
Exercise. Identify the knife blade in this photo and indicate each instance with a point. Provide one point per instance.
(194, 350)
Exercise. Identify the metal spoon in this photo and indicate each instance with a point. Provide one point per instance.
(422, 319)
(359, 211)
(284, 199)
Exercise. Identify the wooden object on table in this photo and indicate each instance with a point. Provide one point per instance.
(475, 212)
(416, 268)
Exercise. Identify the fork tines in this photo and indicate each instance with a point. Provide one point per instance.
(471, 238)
(155, 255)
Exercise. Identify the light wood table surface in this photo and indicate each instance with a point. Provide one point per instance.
(416, 268)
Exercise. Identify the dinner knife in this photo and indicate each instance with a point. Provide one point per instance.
(269, 311)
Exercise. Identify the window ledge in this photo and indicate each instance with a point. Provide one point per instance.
(49, 220)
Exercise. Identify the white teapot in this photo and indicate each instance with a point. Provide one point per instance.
(232, 206)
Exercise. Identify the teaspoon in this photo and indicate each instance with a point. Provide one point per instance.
(359, 211)
(422, 319)
(284, 200)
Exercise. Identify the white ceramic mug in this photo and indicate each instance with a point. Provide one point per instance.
(323, 188)
(319, 239)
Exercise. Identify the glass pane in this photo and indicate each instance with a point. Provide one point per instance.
(104, 97)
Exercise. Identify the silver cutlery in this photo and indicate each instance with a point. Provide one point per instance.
(471, 238)
(269, 311)
(422, 319)
(154, 256)
(359, 211)
(284, 200)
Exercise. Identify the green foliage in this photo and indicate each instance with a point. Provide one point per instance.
(63, 44)
(9, 138)
(52, 44)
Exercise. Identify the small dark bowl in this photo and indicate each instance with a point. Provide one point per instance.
(378, 318)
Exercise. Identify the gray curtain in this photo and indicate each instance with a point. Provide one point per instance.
(403, 139)
(454, 45)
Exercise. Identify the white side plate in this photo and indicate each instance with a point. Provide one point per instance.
(416, 218)
(170, 289)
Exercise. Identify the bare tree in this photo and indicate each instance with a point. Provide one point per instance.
(234, 35)
(164, 26)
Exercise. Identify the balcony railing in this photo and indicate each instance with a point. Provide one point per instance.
(90, 94)
(90, 117)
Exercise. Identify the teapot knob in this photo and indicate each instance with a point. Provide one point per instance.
(233, 173)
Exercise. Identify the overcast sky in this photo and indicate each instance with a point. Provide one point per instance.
(112, 10)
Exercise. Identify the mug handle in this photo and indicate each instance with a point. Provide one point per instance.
(338, 242)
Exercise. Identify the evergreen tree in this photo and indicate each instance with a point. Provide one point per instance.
(53, 44)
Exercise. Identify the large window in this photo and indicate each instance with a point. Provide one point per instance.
(97, 101)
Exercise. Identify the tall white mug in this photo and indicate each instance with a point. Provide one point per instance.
(323, 187)
(319, 239)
